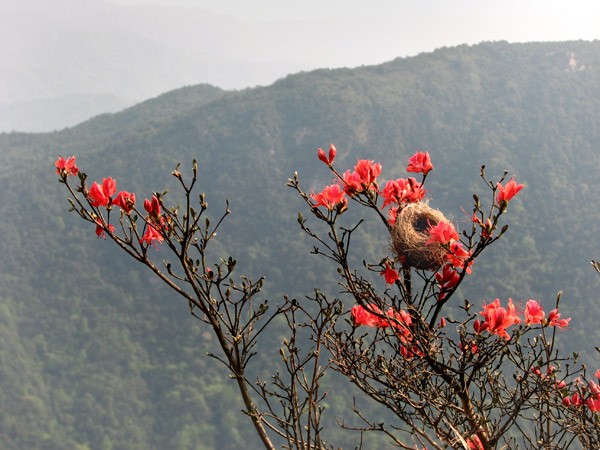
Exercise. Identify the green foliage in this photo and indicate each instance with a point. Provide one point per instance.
(96, 355)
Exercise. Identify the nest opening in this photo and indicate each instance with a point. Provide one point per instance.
(409, 237)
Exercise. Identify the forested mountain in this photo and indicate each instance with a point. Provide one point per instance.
(98, 355)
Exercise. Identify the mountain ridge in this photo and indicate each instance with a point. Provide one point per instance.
(102, 358)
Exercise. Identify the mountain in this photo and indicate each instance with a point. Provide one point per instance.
(97, 355)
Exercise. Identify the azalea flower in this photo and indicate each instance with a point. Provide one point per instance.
(504, 194)
(457, 256)
(475, 443)
(497, 318)
(153, 207)
(325, 159)
(420, 162)
(100, 231)
(125, 200)
(66, 167)
(486, 227)
(363, 317)
(534, 314)
(593, 404)
(402, 191)
(100, 194)
(364, 177)
(442, 233)
(574, 400)
(390, 275)
(555, 320)
(151, 235)
(330, 197)
(393, 215)
(448, 278)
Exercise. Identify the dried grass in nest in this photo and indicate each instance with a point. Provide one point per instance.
(409, 236)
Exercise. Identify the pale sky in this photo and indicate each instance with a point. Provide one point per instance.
(411, 27)
(133, 50)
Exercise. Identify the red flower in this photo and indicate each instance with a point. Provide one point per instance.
(66, 167)
(151, 235)
(486, 228)
(504, 194)
(448, 278)
(534, 314)
(420, 162)
(363, 317)
(442, 233)
(574, 400)
(458, 257)
(597, 374)
(390, 275)
(475, 443)
(364, 176)
(402, 191)
(368, 171)
(100, 195)
(330, 197)
(555, 320)
(392, 215)
(593, 404)
(497, 318)
(322, 157)
(153, 207)
(100, 229)
(125, 200)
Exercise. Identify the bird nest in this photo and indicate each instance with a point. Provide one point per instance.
(410, 235)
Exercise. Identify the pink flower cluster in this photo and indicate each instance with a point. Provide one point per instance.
(497, 318)
(591, 400)
(66, 167)
(103, 195)
(364, 179)
(400, 321)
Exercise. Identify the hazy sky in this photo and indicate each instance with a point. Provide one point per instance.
(55, 49)
(410, 27)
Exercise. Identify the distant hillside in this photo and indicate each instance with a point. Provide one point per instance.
(95, 355)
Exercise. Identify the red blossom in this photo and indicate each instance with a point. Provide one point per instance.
(448, 278)
(442, 233)
(364, 177)
(487, 228)
(597, 374)
(393, 215)
(100, 195)
(534, 314)
(325, 159)
(125, 200)
(66, 167)
(457, 256)
(330, 197)
(554, 319)
(505, 194)
(101, 230)
(593, 404)
(152, 207)
(475, 443)
(420, 162)
(402, 191)
(151, 235)
(363, 317)
(390, 274)
(574, 400)
(497, 318)
(469, 347)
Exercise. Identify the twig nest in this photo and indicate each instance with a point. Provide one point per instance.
(410, 235)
